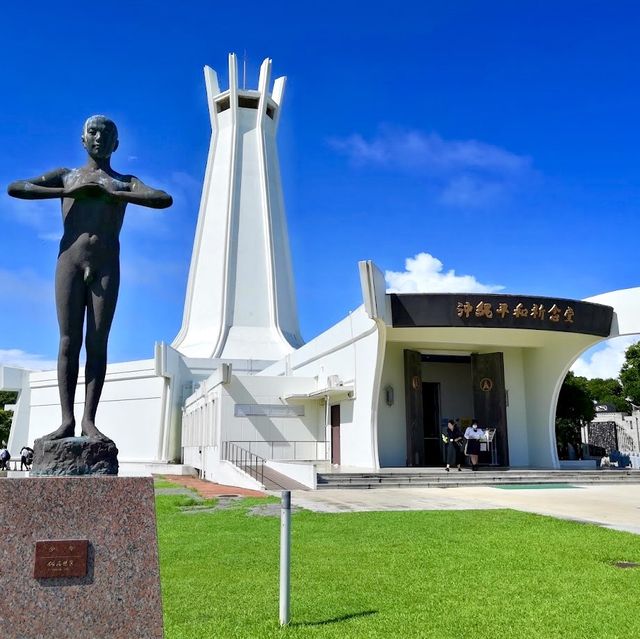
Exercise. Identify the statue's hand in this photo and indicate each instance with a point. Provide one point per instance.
(114, 187)
(83, 191)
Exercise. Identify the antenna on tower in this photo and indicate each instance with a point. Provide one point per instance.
(244, 71)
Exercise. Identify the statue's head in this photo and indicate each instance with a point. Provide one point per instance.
(100, 136)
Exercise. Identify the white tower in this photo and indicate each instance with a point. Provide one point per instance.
(240, 301)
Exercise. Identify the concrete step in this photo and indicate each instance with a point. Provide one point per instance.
(468, 478)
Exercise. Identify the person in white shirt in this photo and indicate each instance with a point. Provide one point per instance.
(473, 435)
(24, 458)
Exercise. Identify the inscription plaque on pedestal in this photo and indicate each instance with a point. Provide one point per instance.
(61, 558)
(104, 528)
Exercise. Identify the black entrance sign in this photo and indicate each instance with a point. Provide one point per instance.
(491, 310)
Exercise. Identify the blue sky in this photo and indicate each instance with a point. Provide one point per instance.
(500, 139)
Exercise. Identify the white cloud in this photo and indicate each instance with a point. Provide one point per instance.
(428, 151)
(185, 191)
(424, 274)
(54, 236)
(138, 270)
(466, 172)
(24, 286)
(41, 215)
(603, 361)
(22, 359)
(468, 190)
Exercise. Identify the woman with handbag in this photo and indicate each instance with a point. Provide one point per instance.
(452, 439)
(473, 434)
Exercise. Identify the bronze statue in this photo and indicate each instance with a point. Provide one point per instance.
(94, 199)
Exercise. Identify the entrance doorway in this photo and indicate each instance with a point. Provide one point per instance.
(440, 387)
(431, 415)
(335, 434)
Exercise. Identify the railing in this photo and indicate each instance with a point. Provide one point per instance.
(12, 462)
(244, 459)
(290, 450)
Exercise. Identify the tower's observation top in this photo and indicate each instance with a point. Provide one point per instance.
(240, 301)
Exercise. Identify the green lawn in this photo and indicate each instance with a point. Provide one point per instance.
(444, 574)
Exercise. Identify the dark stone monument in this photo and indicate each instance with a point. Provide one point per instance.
(82, 552)
(75, 456)
(94, 198)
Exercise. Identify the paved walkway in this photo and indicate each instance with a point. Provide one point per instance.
(208, 489)
(612, 506)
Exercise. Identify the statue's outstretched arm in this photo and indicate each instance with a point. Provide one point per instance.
(42, 187)
(144, 195)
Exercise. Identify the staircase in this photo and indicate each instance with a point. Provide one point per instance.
(438, 478)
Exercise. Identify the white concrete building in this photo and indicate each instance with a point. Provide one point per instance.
(625, 428)
(372, 391)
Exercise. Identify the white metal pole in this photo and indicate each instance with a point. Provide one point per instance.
(285, 556)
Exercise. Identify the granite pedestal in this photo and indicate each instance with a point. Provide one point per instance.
(119, 596)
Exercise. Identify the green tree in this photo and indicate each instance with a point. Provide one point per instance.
(608, 391)
(574, 410)
(6, 397)
(630, 373)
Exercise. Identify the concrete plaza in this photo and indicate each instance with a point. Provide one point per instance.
(612, 506)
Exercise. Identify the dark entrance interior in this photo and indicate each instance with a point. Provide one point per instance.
(335, 434)
(470, 386)
(431, 416)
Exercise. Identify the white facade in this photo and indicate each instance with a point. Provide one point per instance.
(352, 364)
(237, 373)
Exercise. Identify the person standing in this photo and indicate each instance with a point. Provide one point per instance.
(473, 434)
(452, 438)
(24, 458)
(5, 456)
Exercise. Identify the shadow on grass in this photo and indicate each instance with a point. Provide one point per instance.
(325, 622)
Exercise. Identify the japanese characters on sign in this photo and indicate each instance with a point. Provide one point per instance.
(61, 558)
(501, 310)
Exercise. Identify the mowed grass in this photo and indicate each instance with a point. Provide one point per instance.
(441, 574)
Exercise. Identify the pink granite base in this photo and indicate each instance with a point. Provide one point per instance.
(119, 598)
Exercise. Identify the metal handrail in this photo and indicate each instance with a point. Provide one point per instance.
(295, 444)
(244, 459)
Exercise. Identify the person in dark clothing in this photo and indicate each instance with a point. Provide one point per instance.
(452, 438)
(5, 456)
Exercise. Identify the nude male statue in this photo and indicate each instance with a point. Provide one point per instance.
(94, 199)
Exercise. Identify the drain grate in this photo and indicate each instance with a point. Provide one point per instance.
(626, 564)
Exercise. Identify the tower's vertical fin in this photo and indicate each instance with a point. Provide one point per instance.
(263, 89)
(278, 93)
(213, 89)
(230, 246)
